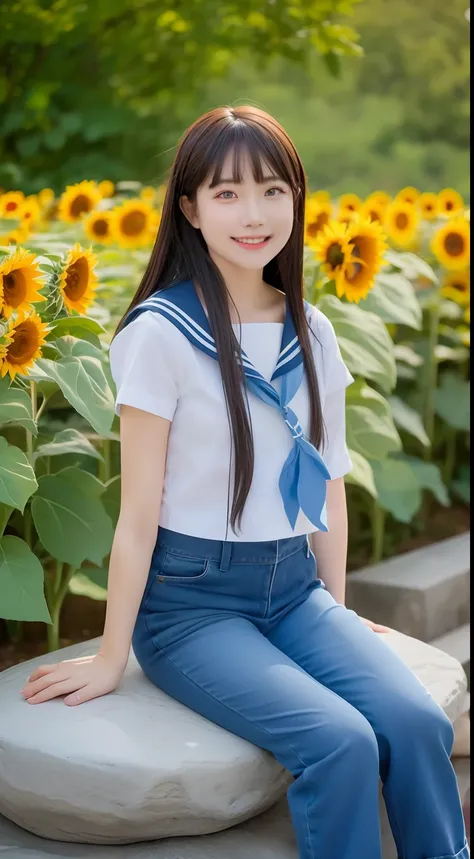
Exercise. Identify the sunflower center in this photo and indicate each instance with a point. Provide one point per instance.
(14, 288)
(11, 206)
(77, 278)
(24, 345)
(101, 227)
(81, 204)
(335, 255)
(402, 220)
(133, 223)
(449, 205)
(460, 286)
(454, 244)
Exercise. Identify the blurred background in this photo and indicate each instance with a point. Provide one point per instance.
(374, 93)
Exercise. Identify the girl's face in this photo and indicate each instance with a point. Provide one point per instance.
(231, 214)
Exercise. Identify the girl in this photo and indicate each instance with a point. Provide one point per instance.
(228, 563)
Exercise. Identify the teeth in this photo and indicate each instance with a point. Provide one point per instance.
(250, 241)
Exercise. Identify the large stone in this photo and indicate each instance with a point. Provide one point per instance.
(423, 593)
(135, 765)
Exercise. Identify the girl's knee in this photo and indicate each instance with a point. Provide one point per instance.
(421, 719)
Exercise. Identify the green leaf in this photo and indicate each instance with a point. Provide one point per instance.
(398, 488)
(68, 441)
(17, 478)
(21, 582)
(394, 300)
(408, 355)
(361, 474)
(408, 419)
(83, 585)
(84, 384)
(70, 518)
(15, 407)
(75, 325)
(461, 486)
(411, 265)
(452, 401)
(429, 477)
(365, 343)
(370, 429)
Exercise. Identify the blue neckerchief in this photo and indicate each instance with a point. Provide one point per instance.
(303, 477)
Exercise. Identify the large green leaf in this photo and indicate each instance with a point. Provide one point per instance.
(398, 488)
(84, 384)
(429, 476)
(452, 401)
(68, 441)
(15, 407)
(17, 478)
(70, 517)
(370, 429)
(88, 584)
(364, 341)
(21, 582)
(361, 474)
(411, 265)
(409, 419)
(394, 300)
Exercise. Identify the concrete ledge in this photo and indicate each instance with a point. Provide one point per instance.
(424, 593)
(458, 644)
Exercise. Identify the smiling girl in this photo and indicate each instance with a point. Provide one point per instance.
(227, 571)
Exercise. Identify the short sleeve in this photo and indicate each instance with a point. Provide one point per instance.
(142, 366)
(333, 378)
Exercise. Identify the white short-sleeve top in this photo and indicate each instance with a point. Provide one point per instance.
(155, 368)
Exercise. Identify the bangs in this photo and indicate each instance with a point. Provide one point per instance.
(266, 156)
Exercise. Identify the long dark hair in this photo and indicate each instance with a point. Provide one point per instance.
(180, 253)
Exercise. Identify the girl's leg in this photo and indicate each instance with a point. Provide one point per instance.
(415, 737)
(230, 673)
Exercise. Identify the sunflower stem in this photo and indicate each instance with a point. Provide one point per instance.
(431, 377)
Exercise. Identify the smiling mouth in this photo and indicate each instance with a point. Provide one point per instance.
(252, 241)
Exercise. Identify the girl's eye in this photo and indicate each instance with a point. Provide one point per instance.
(269, 189)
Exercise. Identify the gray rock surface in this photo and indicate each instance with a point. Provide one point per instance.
(135, 765)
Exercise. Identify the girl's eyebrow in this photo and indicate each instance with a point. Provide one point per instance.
(233, 182)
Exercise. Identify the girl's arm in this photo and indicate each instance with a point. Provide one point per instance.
(144, 442)
(330, 547)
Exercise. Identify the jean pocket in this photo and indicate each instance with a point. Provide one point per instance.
(180, 568)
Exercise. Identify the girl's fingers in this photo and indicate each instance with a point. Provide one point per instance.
(63, 688)
(42, 669)
(81, 695)
(44, 682)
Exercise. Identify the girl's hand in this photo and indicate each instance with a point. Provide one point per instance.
(377, 627)
(79, 679)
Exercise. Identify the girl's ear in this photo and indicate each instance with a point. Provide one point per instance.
(189, 210)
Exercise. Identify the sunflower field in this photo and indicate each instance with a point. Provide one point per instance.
(391, 273)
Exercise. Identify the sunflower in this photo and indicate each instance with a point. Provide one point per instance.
(373, 209)
(106, 188)
(367, 243)
(97, 227)
(23, 342)
(320, 196)
(401, 223)
(408, 195)
(332, 248)
(148, 193)
(428, 205)
(450, 202)
(317, 215)
(20, 280)
(77, 200)
(10, 203)
(457, 286)
(380, 197)
(15, 236)
(29, 212)
(349, 203)
(160, 195)
(131, 223)
(78, 280)
(45, 196)
(467, 315)
(451, 244)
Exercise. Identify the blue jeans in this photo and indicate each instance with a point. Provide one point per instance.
(247, 635)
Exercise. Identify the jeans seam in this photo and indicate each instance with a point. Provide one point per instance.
(226, 706)
(457, 855)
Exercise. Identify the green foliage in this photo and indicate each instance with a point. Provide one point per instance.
(77, 78)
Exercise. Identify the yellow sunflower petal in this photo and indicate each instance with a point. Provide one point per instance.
(10, 203)
(20, 280)
(317, 215)
(401, 222)
(450, 202)
(131, 223)
(77, 200)
(451, 244)
(457, 286)
(366, 240)
(78, 281)
(26, 335)
(97, 227)
(409, 194)
(428, 205)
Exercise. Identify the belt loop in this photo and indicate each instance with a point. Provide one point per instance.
(225, 555)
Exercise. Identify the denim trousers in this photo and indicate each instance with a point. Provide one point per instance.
(248, 635)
